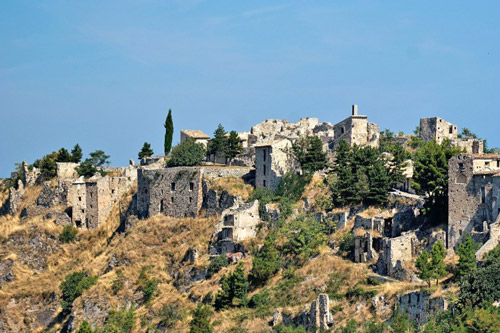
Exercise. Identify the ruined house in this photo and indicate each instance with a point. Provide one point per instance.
(473, 196)
(197, 136)
(272, 162)
(439, 129)
(420, 306)
(236, 224)
(357, 130)
(179, 191)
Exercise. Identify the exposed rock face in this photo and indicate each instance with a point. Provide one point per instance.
(6, 271)
(215, 202)
(48, 196)
(420, 306)
(95, 311)
(317, 317)
(191, 256)
(15, 198)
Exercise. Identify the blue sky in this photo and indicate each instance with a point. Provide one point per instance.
(105, 73)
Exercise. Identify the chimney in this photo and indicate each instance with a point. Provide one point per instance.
(354, 110)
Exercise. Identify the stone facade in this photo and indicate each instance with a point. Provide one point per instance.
(366, 248)
(420, 306)
(439, 129)
(316, 317)
(357, 130)
(197, 136)
(272, 162)
(473, 194)
(396, 253)
(175, 192)
(239, 222)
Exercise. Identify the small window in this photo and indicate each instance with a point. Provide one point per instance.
(172, 199)
(264, 154)
(264, 183)
(342, 130)
(79, 198)
(461, 166)
(487, 164)
(112, 191)
(498, 164)
(90, 206)
(191, 186)
(264, 170)
(190, 199)
(83, 211)
(483, 194)
(451, 129)
(172, 187)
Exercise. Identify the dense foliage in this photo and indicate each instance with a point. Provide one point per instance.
(308, 152)
(202, 317)
(146, 151)
(68, 234)
(431, 266)
(223, 145)
(234, 289)
(187, 153)
(216, 264)
(90, 166)
(73, 286)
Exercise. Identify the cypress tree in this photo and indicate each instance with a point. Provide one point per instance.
(169, 132)
(438, 253)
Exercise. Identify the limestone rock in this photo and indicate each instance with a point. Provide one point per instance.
(6, 271)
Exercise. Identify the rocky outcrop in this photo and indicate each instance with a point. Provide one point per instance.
(6, 271)
(48, 196)
(420, 306)
(317, 316)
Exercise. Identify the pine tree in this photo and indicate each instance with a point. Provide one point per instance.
(467, 257)
(146, 151)
(266, 263)
(63, 155)
(438, 253)
(169, 133)
(224, 298)
(76, 154)
(201, 322)
(239, 285)
(218, 145)
(423, 264)
(379, 184)
(233, 145)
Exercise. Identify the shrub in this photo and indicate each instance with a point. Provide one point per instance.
(304, 235)
(169, 315)
(68, 234)
(84, 327)
(266, 263)
(262, 303)
(118, 282)
(201, 322)
(216, 264)
(147, 285)
(187, 153)
(347, 244)
(234, 289)
(121, 321)
(73, 286)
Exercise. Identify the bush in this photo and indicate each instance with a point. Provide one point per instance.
(120, 321)
(266, 263)
(201, 322)
(147, 285)
(347, 244)
(262, 303)
(84, 327)
(216, 265)
(234, 289)
(170, 314)
(187, 153)
(304, 236)
(68, 234)
(73, 286)
(358, 292)
(118, 282)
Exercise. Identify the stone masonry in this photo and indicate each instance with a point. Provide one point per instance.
(272, 162)
(420, 306)
(473, 194)
(357, 130)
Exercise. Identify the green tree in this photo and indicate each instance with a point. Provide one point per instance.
(169, 133)
(64, 156)
(379, 184)
(68, 234)
(187, 153)
(304, 235)
(219, 143)
(85, 327)
(76, 154)
(170, 314)
(90, 166)
(266, 262)
(424, 266)
(467, 257)
(201, 322)
(431, 177)
(73, 286)
(438, 253)
(308, 152)
(239, 285)
(147, 284)
(216, 264)
(233, 145)
(223, 298)
(146, 151)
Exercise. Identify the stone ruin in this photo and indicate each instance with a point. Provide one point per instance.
(272, 162)
(439, 129)
(236, 224)
(420, 305)
(473, 196)
(315, 317)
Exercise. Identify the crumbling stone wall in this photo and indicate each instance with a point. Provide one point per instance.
(366, 248)
(239, 222)
(420, 306)
(357, 130)
(473, 194)
(396, 253)
(437, 129)
(175, 192)
(272, 162)
(317, 316)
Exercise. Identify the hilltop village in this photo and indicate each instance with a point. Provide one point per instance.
(283, 184)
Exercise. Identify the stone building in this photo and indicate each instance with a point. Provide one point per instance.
(197, 136)
(420, 305)
(357, 130)
(439, 129)
(473, 195)
(236, 224)
(180, 191)
(272, 162)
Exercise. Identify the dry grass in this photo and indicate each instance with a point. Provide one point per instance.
(234, 186)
